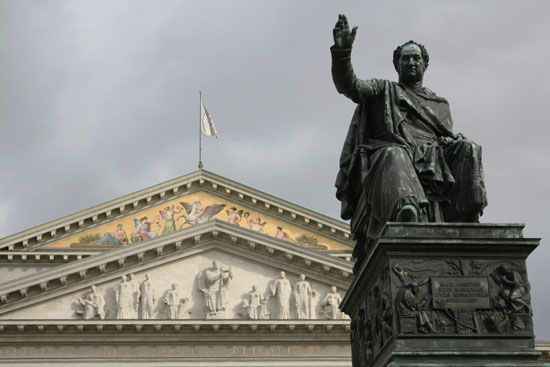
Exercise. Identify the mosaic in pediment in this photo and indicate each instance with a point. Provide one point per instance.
(184, 212)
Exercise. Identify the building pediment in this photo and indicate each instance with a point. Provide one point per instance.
(177, 258)
(180, 204)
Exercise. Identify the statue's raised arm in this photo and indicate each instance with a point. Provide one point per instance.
(343, 75)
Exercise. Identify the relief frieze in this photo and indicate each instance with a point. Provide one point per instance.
(461, 296)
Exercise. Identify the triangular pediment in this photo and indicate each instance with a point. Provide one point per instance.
(177, 258)
(178, 205)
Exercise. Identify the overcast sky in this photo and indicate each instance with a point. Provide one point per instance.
(99, 99)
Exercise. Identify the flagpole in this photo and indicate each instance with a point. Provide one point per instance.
(200, 133)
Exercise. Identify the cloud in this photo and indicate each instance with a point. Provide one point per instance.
(99, 99)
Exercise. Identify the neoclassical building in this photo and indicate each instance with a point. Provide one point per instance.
(196, 271)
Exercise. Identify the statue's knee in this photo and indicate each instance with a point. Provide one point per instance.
(394, 151)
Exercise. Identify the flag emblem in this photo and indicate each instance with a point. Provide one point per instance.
(207, 124)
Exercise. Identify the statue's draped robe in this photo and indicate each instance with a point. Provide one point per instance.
(302, 297)
(394, 154)
(125, 298)
(147, 299)
(282, 289)
(209, 284)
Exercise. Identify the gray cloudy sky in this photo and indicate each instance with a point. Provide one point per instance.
(100, 98)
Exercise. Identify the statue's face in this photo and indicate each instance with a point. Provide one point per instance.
(282, 273)
(411, 64)
(302, 277)
(214, 264)
(333, 289)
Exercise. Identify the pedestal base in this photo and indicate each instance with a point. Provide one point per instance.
(443, 294)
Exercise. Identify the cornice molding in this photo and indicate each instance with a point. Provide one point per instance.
(196, 327)
(43, 257)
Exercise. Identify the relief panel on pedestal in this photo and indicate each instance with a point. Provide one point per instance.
(457, 296)
(372, 327)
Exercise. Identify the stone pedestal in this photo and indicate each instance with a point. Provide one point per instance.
(443, 294)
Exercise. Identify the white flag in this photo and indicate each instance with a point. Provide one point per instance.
(207, 124)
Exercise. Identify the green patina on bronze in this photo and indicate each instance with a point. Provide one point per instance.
(401, 160)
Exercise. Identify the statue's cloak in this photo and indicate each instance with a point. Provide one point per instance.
(377, 123)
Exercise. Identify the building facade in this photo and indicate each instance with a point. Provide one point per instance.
(196, 271)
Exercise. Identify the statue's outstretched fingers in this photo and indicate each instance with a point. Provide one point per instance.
(345, 21)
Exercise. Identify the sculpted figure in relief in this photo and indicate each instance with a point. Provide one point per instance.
(264, 311)
(303, 294)
(221, 299)
(147, 293)
(124, 295)
(245, 309)
(411, 301)
(135, 295)
(281, 288)
(93, 305)
(174, 303)
(330, 304)
(214, 284)
(254, 303)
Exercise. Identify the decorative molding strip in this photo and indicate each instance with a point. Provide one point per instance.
(43, 257)
(169, 326)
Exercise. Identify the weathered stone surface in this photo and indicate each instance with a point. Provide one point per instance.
(443, 294)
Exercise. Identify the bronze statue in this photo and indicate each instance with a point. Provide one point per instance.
(401, 161)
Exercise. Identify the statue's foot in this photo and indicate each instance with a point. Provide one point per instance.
(407, 213)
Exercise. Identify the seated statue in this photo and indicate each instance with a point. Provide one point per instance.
(401, 160)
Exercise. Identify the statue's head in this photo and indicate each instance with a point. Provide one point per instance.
(174, 286)
(123, 278)
(410, 61)
(282, 274)
(93, 288)
(333, 288)
(254, 288)
(147, 276)
(214, 264)
(302, 277)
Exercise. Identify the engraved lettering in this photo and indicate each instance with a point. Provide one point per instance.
(460, 292)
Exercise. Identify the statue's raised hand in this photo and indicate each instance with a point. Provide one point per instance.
(343, 37)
